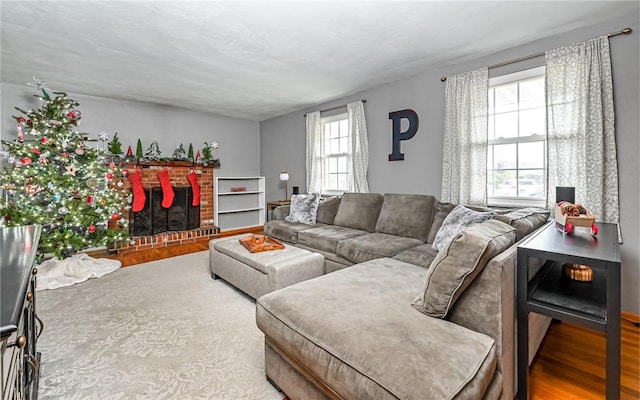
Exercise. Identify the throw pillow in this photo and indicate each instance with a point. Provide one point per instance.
(304, 208)
(459, 262)
(458, 219)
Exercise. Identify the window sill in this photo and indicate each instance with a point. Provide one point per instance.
(516, 202)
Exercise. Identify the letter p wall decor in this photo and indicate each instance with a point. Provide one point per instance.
(397, 116)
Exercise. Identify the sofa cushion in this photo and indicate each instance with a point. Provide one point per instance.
(525, 220)
(373, 245)
(327, 210)
(326, 237)
(287, 231)
(422, 255)
(442, 210)
(304, 208)
(408, 215)
(458, 264)
(458, 219)
(359, 211)
(355, 330)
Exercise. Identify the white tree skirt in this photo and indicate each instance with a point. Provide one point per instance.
(54, 273)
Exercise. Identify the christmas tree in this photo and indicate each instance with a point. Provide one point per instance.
(139, 154)
(115, 147)
(56, 181)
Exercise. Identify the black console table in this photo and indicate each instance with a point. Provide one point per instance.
(19, 358)
(595, 304)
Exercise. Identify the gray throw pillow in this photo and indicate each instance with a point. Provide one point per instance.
(458, 219)
(304, 208)
(459, 262)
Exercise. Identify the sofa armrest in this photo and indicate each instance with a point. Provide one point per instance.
(281, 212)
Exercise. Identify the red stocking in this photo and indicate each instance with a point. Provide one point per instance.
(167, 190)
(195, 188)
(139, 197)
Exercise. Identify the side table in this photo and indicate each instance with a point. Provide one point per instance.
(595, 304)
(271, 205)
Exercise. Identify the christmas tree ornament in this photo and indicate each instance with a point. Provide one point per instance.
(25, 161)
(195, 188)
(71, 115)
(139, 198)
(167, 190)
(120, 184)
(108, 176)
(55, 123)
(80, 150)
(44, 140)
(35, 150)
(33, 132)
(44, 161)
(90, 199)
(29, 122)
(57, 197)
(91, 229)
(63, 210)
(65, 155)
(21, 120)
(92, 183)
(20, 134)
(65, 143)
(115, 216)
(77, 113)
(71, 170)
(33, 189)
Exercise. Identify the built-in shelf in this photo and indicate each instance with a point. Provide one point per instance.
(239, 209)
(236, 193)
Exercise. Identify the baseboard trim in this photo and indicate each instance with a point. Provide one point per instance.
(635, 318)
(232, 232)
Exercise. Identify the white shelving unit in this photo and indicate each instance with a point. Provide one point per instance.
(239, 209)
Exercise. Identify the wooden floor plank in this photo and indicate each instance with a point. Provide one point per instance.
(571, 364)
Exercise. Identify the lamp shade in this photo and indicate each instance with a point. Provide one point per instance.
(284, 176)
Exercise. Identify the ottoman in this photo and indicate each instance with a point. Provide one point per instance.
(261, 273)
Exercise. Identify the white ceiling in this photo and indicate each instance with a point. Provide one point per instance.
(257, 60)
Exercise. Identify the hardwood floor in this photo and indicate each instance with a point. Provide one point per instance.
(569, 366)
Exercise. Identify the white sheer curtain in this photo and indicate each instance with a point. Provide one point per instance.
(464, 164)
(314, 153)
(359, 157)
(581, 136)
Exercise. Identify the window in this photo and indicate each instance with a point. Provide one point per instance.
(516, 158)
(335, 154)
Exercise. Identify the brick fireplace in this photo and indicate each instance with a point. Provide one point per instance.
(178, 171)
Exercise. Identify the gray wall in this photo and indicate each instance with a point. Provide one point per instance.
(239, 139)
(283, 138)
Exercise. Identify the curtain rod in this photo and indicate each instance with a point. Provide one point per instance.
(625, 31)
(336, 107)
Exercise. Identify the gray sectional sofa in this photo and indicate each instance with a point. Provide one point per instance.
(353, 332)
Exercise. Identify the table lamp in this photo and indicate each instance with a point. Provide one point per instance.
(284, 176)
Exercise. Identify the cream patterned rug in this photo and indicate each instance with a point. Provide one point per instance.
(159, 330)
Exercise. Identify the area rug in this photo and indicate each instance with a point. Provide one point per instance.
(159, 330)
